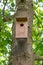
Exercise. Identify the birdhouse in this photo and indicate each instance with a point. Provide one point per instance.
(21, 28)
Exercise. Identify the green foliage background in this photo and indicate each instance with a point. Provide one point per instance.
(6, 30)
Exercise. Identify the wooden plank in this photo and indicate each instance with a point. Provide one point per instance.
(21, 19)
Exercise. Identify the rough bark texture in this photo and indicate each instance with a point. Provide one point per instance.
(22, 54)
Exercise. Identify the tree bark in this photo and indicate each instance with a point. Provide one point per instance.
(22, 54)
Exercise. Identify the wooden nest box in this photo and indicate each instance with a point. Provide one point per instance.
(21, 28)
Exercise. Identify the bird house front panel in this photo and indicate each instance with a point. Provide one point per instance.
(21, 28)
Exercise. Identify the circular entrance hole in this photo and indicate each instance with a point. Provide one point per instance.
(22, 25)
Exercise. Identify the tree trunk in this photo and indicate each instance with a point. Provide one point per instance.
(22, 54)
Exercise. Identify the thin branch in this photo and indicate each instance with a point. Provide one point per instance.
(37, 57)
(7, 18)
(3, 10)
(4, 7)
